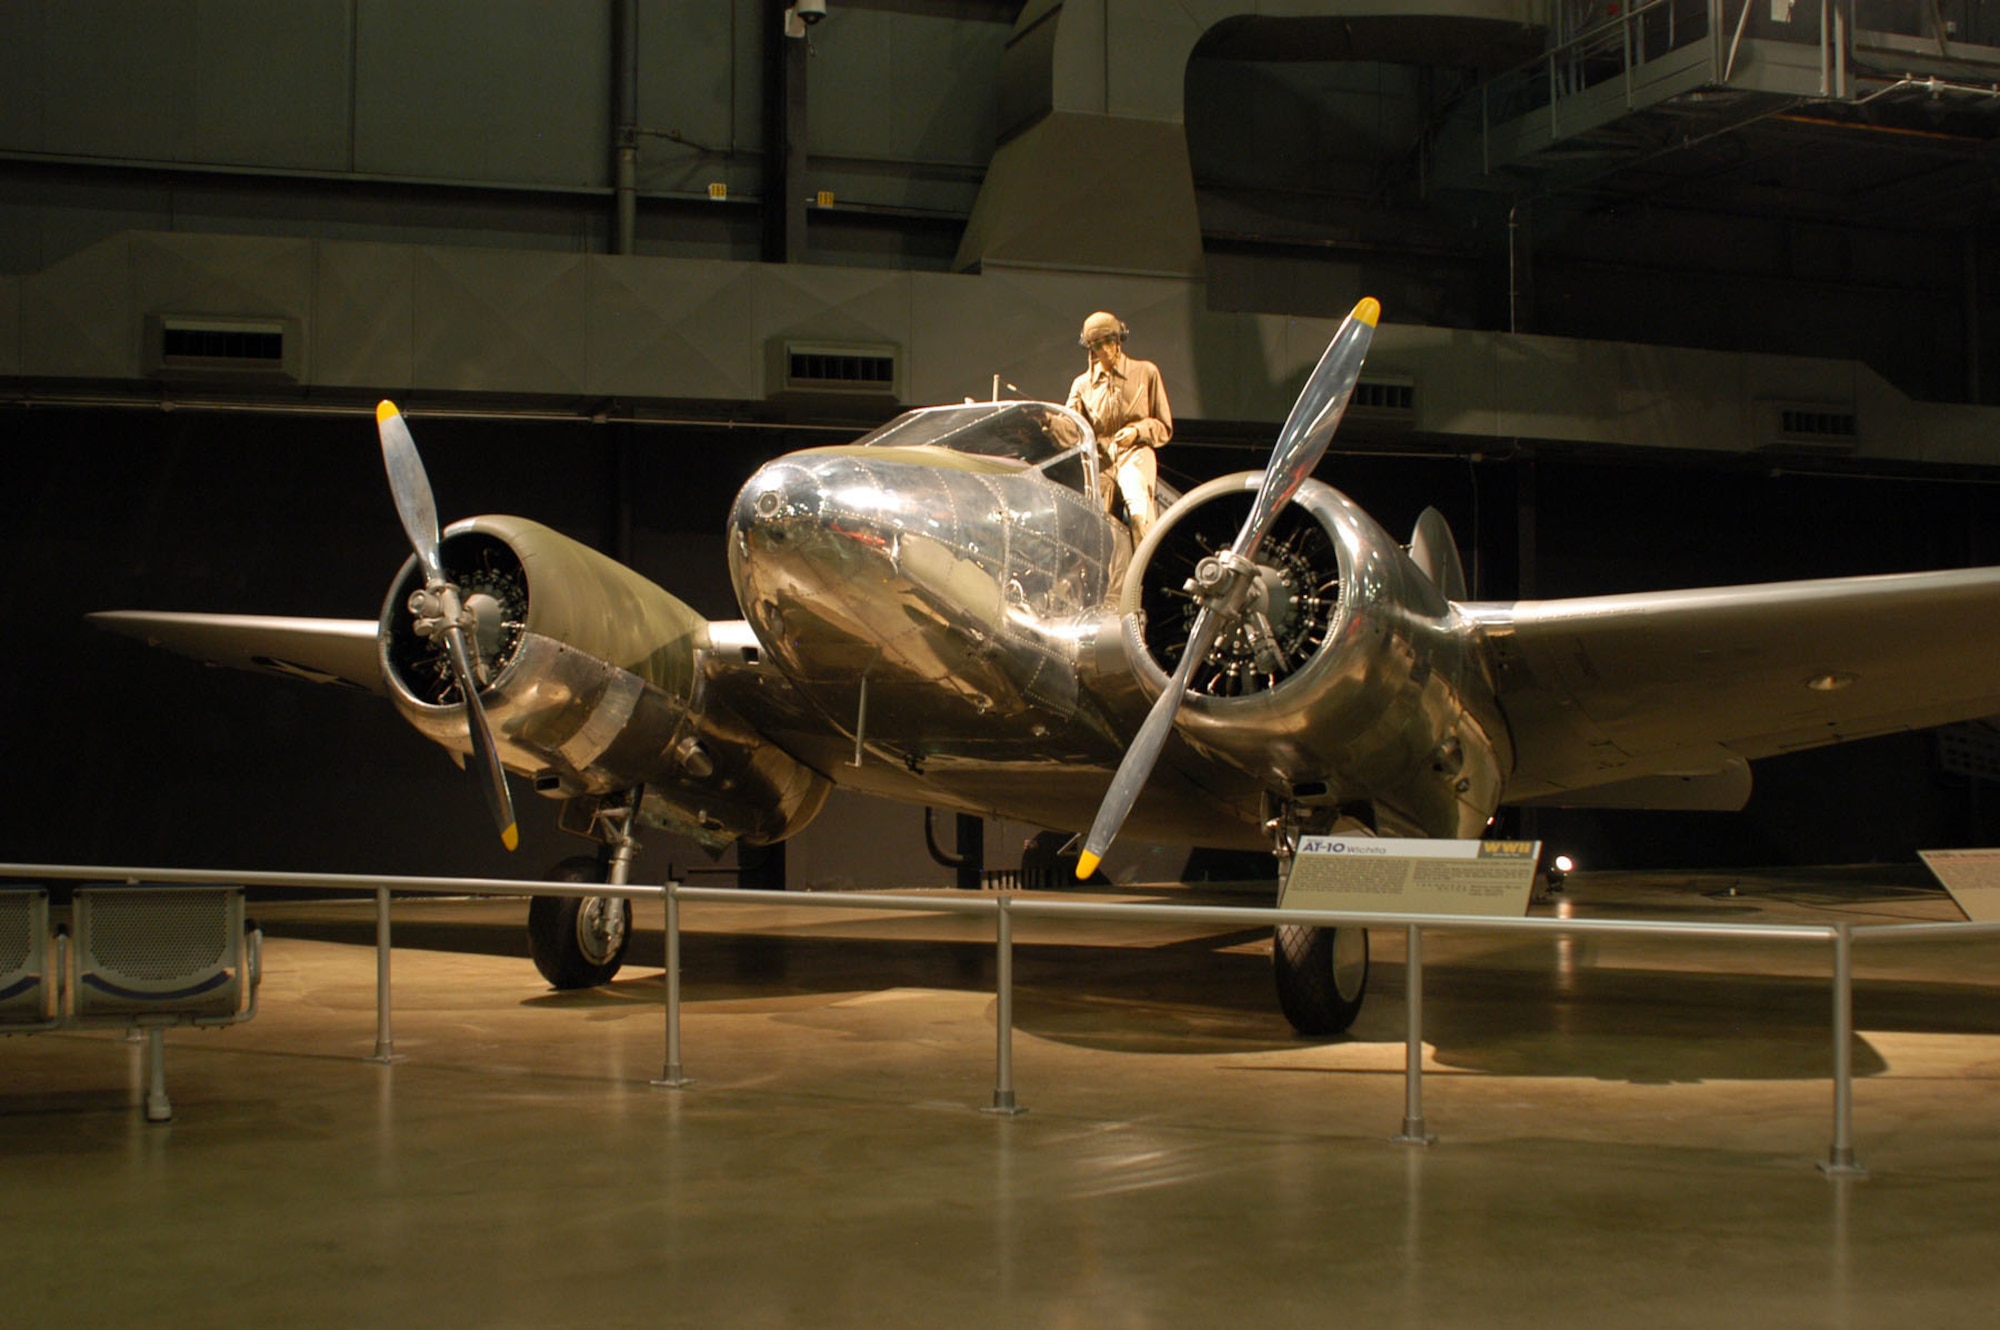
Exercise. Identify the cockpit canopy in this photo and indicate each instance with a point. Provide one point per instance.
(1038, 435)
(1031, 432)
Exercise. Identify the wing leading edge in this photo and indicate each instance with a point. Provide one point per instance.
(339, 651)
(1651, 699)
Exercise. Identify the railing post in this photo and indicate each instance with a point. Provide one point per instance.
(671, 1077)
(385, 1043)
(1003, 1017)
(158, 1107)
(1413, 1132)
(1840, 1162)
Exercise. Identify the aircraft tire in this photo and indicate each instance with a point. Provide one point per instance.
(1322, 976)
(566, 936)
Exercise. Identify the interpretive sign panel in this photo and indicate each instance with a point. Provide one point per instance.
(1971, 876)
(1368, 873)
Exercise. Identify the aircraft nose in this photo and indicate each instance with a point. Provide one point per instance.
(832, 507)
(779, 504)
(814, 556)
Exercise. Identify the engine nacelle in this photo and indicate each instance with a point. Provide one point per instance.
(1350, 680)
(592, 680)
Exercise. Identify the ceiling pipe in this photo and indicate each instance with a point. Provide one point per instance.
(625, 121)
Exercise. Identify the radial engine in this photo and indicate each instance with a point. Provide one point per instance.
(595, 682)
(1349, 681)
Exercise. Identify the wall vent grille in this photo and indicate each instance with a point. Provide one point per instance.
(1819, 424)
(1384, 395)
(1817, 427)
(835, 367)
(222, 344)
(194, 347)
(819, 367)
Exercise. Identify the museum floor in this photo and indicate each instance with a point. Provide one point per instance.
(1628, 1133)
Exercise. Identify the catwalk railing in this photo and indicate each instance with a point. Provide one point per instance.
(1840, 937)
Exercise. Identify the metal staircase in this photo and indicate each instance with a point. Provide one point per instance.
(1624, 82)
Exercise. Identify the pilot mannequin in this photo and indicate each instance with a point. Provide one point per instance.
(1125, 402)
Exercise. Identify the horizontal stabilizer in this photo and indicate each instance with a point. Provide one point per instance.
(1433, 550)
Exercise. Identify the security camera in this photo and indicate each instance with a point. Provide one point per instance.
(801, 14)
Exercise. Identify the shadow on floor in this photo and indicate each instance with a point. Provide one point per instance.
(1517, 1010)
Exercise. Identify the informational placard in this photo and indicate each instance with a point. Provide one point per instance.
(1971, 876)
(1387, 876)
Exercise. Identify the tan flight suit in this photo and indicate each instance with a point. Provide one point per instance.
(1131, 393)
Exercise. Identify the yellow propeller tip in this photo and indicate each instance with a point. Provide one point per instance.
(385, 410)
(1086, 864)
(511, 837)
(1369, 310)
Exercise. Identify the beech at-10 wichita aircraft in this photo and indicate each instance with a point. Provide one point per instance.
(943, 613)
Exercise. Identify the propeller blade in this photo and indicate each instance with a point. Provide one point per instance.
(1138, 762)
(1301, 443)
(1310, 426)
(417, 507)
(411, 488)
(498, 799)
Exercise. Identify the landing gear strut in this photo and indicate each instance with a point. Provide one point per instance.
(1322, 973)
(579, 942)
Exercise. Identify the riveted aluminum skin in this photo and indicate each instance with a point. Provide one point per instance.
(1394, 708)
(955, 585)
(602, 688)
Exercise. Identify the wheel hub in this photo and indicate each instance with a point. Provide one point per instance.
(600, 928)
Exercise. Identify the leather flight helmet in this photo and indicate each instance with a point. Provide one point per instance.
(1099, 326)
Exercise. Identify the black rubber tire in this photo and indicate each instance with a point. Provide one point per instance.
(1319, 997)
(553, 941)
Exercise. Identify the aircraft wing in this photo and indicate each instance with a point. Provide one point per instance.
(338, 651)
(1660, 699)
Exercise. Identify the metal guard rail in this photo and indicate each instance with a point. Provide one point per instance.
(1840, 1160)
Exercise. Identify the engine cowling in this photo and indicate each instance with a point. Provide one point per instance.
(1349, 680)
(593, 681)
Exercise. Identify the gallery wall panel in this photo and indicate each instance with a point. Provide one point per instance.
(364, 326)
(503, 90)
(492, 320)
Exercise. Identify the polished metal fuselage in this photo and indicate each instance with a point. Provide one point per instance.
(954, 623)
(960, 580)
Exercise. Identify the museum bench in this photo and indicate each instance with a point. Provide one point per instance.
(141, 958)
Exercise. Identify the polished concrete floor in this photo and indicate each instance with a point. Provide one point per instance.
(1627, 1132)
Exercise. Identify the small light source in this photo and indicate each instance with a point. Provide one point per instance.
(1830, 683)
(1565, 864)
(824, 198)
(718, 190)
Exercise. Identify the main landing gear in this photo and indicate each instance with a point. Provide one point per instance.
(1322, 973)
(580, 941)
(1322, 976)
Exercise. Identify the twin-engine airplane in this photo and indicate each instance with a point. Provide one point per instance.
(943, 613)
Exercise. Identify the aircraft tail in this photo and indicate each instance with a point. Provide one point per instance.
(1433, 550)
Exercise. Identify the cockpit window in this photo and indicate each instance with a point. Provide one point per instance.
(1069, 469)
(1029, 432)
